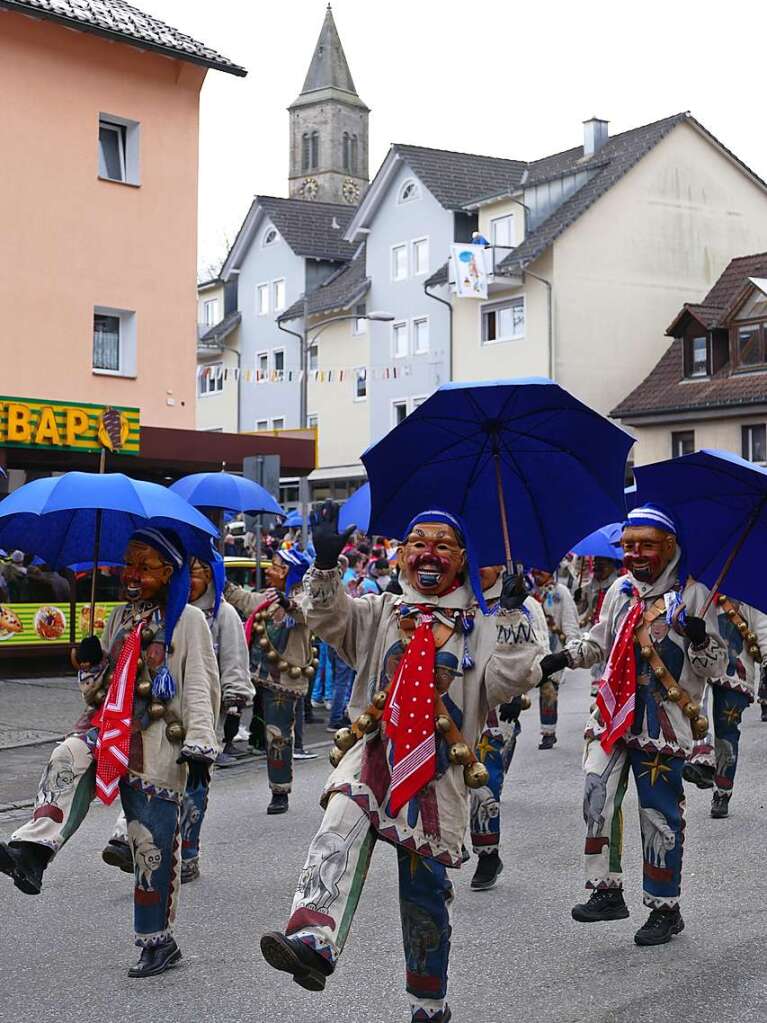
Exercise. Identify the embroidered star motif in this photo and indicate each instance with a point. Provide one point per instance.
(656, 769)
(732, 714)
(484, 747)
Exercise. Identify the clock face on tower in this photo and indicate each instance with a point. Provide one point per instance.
(350, 191)
(310, 188)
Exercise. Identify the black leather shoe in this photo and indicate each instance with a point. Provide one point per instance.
(547, 742)
(720, 806)
(764, 712)
(117, 854)
(290, 955)
(699, 774)
(156, 960)
(279, 803)
(661, 925)
(604, 904)
(25, 863)
(489, 867)
(190, 871)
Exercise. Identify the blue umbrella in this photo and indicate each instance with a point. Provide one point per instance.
(527, 467)
(294, 519)
(602, 543)
(356, 510)
(224, 490)
(720, 504)
(56, 518)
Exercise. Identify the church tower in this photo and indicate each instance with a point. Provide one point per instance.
(328, 128)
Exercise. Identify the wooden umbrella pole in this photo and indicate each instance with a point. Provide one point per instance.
(96, 544)
(502, 508)
(731, 558)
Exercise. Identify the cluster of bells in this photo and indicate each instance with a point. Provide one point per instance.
(676, 694)
(475, 774)
(742, 627)
(157, 709)
(294, 671)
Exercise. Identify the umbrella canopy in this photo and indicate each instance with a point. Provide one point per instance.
(521, 449)
(602, 543)
(294, 520)
(224, 490)
(356, 511)
(720, 504)
(55, 518)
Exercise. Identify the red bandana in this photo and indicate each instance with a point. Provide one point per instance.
(617, 690)
(598, 609)
(409, 717)
(114, 721)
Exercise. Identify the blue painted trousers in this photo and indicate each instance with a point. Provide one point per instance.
(729, 705)
(660, 791)
(279, 709)
(495, 750)
(329, 889)
(192, 815)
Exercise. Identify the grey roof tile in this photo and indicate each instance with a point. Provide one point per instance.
(344, 288)
(116, 19)
(216, 334)
(454, 179)
(311, 228)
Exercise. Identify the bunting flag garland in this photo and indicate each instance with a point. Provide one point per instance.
(218, 374)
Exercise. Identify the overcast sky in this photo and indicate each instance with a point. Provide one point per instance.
(494, 77)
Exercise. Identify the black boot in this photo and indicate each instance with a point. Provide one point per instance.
(764, 712)
(701, 775)
(720, 806)
(279, 803)
(661, 925)
(156, 960)
(547, 742)
(290, 955)
(604, 904)
(489, 867)
(25, 863)
(117, 854)
(190, 871)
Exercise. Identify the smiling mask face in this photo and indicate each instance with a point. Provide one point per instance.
(146, 574)
(647, 551)
(431, 558)
(200, 576)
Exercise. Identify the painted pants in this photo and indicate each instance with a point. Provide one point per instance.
(323, 682)
(720, 749)
(343, 680)
(548, 699)
(660, 791)
(495, 750)
(279, 709)
(66, 791)
(329, 889)
(192, 815)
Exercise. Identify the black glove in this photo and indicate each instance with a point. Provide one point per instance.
(577, 594)
(552, 663)
(695, 630)
(509, 712)
(231, 727)
(328, 542)
(513, 593)
(199, 771)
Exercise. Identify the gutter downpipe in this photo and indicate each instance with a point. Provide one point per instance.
(449, 305)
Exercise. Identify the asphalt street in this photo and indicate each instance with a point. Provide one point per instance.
(516, 956)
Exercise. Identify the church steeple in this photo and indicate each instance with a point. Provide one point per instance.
(328, 127)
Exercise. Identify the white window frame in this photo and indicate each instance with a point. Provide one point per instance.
(507, 218)
(207, 305)
(416, 401)
(128, 132)
(270, 236)
(359, 370)
(414, 332)
(218, 383)
(414, 188)
(127, 345)
(496, 307)
(262, 425)
(396, 403)
(276, 304)
(263, 288)
(279, 373)
(750, 427)
(278, 419)
(414, 261)
(395, 354)
(360, 323)
(404, 247)
(314, 346)
(265, 371)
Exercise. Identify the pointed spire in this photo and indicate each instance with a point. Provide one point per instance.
(328, 69)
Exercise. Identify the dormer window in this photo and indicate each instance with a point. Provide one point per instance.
(749, 344)
(270, 236)
(409, 192)
(696, 357)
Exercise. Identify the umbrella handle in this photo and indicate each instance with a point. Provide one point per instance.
(502, 509)
(732, 556)
(94, 568)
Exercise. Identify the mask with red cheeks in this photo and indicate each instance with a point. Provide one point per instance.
(146, 574)
(432, 558)
(277, 573)
(647, 551)
(200, 576)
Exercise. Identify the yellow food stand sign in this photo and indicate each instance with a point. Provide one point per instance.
(68, 426)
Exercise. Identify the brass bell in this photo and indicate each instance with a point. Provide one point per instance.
(692, 710)
(750, 637)
(315, 651)
(264, 643)
(700, 726)
(335, 756)
(259, 629)
(742, 628)
(295, 671)
(443, 723)
(674, 693)
(260, 617)
(459, 753)
(379, 700)
(366, 723)
(730, 612)
(147, 637)
(721, 599)
(99, 696)
(156, 710)
(175, 731)
(283, 665)
(315, 662)
(308, 671)
(476, 775)
(272, 656)
(344, 739)
(755, 652)
(659, 671)
(524, 702)
(144, 688)
(140, 664)
(646, 652)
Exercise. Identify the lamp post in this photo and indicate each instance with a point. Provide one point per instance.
(303, 336)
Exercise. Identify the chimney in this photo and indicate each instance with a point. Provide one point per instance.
(595, 134)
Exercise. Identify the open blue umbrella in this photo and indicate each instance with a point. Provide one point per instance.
(356, 510)
(294, 519)
(528, 468)
(224, 490)
(719, 501)
(602, 543)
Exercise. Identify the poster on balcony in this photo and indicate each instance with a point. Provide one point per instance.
(469, 270)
